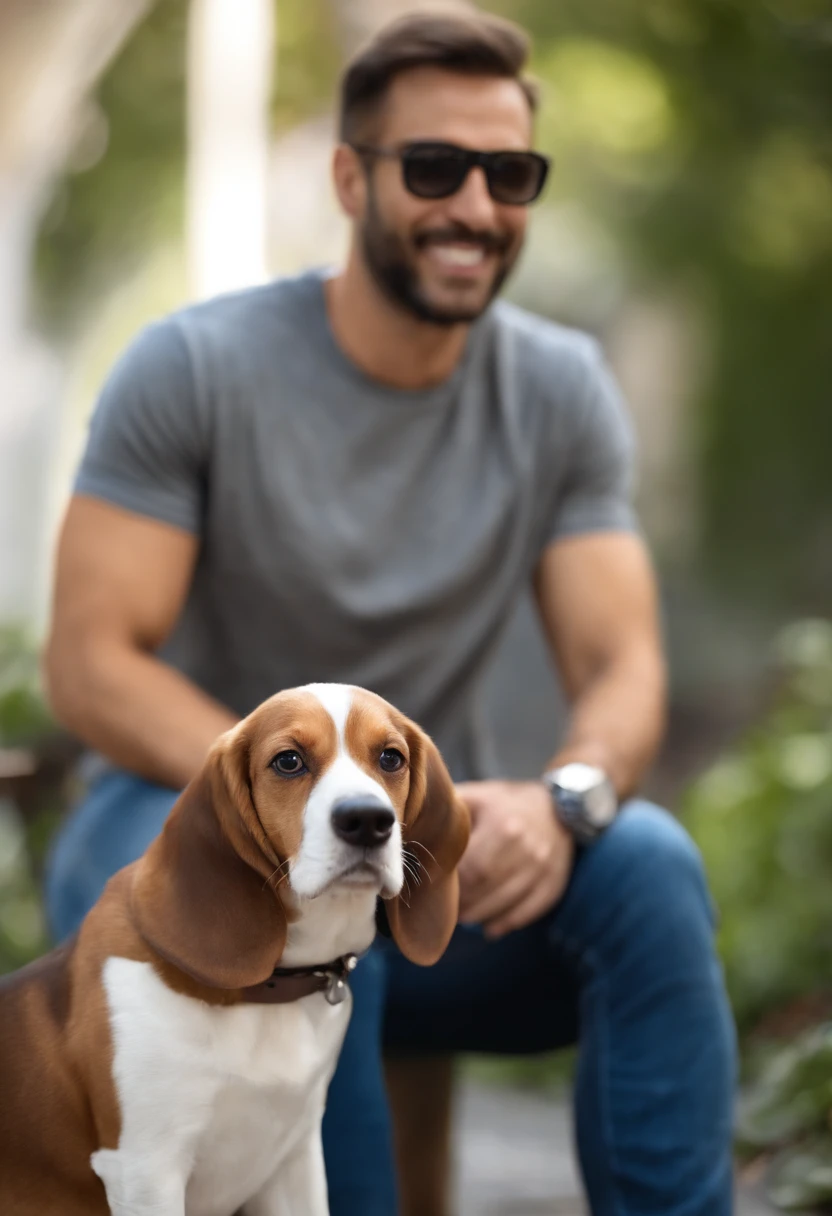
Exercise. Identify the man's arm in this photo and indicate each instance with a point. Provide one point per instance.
(121, 581)
(597, 598)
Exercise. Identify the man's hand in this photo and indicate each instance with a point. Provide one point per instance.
(519, 857)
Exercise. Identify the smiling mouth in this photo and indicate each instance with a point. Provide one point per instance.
(460, 258)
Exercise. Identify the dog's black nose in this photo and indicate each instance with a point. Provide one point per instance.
(362, 821)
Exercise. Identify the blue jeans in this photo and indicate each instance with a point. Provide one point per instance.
(624, 965)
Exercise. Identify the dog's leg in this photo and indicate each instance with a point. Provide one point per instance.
(140, 1186)
(299, 1186)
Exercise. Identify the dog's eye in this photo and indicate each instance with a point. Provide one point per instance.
(289, 764)
(391, 760)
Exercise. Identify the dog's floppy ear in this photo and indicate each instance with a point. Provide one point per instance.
(202, 895)
(435, 832)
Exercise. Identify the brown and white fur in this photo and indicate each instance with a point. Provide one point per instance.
(136, 1077)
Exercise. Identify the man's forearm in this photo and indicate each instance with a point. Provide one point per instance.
(618, 719)
(136, 710)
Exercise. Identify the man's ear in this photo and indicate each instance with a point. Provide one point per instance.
(350, 181)
(435, 832)
(203, 894)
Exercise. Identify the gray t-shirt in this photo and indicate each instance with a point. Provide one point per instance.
(350, 531)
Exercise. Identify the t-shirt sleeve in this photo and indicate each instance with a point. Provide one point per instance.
(146, 445)
(597, 490)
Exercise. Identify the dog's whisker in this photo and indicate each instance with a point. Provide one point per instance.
(409, 865)
(414, 843)
(414, 865)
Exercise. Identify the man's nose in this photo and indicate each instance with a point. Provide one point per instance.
(472, 204)
(362, 821)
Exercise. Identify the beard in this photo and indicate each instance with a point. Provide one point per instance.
(392, 265)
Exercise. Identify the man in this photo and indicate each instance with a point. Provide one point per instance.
(351, 477)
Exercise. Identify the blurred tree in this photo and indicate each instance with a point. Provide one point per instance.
(27, 733)
(700, 131)
(785, 1122)
(762, 817)
(50, 54)
(108, 215)
(128, 193)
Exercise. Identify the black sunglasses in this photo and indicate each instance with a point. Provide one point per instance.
(437, 170)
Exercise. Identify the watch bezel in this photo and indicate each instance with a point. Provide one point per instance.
(571, 806)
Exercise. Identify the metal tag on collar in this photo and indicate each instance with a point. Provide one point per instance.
(336, 990)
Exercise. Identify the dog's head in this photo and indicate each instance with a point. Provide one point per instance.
(321, 788)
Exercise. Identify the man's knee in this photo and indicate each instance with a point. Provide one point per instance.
(644, 877)
(651, 850)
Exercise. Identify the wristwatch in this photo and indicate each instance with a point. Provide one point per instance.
(584, 798)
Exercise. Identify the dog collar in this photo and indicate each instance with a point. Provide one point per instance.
(286, 984)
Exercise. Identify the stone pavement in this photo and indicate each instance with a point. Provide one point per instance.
(514, 1157)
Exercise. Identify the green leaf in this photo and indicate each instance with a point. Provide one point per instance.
(793, 1095)
(802, 1177)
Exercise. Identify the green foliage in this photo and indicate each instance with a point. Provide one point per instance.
(802, 1176)
(22, 928)
(105, 217)
(793, 1095)
(24, 717)
(308, 61)
(24, 720)
(762, 817)
(699, 133)
(788, 1113)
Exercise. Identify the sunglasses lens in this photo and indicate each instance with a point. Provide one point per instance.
(516, 177)
(433, 172)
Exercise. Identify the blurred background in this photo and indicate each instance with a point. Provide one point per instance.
(151, 153)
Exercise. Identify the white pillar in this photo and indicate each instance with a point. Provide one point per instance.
(51, 54)
(230, 64)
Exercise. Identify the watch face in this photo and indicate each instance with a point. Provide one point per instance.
(585, 794)
(578, 778)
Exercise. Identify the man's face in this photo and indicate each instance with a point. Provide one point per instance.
(443, 260)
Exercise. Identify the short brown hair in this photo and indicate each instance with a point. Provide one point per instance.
(466, 41)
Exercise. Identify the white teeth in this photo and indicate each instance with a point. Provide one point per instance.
(458, 255)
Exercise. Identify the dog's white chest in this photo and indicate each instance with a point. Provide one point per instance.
(212, 1099)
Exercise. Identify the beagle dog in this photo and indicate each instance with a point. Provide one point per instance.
(173, 1059)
